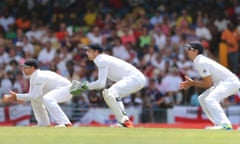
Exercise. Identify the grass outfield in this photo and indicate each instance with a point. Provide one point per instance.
(105, 135)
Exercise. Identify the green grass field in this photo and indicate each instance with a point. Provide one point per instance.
(105, 135)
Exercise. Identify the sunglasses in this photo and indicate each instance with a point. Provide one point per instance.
(188, 47)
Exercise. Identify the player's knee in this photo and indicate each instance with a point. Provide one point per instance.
(111, 92)
(210, 100)
(48, 100)
(108, 94)
(105, 92)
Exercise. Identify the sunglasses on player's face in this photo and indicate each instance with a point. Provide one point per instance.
(190, 48)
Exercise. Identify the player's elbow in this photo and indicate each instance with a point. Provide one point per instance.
(101, 84)
(208, 85)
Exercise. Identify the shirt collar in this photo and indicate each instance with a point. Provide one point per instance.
(34, 74)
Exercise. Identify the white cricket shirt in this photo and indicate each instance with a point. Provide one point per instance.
(209, 67)
(41, 82)
(111, 68)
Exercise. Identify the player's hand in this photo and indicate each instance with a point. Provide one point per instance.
(187, 83)
(8, 98)
(78, 87)
(11, 98)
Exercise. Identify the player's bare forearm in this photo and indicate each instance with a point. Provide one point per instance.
(200, 84)
(205, 82)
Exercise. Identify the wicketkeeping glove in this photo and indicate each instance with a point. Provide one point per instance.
(78, 87)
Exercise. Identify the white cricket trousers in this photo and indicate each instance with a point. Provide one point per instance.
(49, 104)
(120, 89)
(211, 98)
(128, 85)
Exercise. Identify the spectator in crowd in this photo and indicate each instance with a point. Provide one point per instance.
(4, 57)
(6, 83)
(11, 33)
(80, 38)
(62, 58)
(23, 23)
(159, 38)
(221, 22)
(145, 39)
(34, 34)
(62, 33)
(119, 50)
(150, 53)
(202, 31)
(27, 46)
(50, 36)
(171, 82)
(154, 100)
(6, 20)
(128, 36)
(95, 36)
(183, 22)
(91, 15)
(46, 55)
(229, 37)
(157, 18)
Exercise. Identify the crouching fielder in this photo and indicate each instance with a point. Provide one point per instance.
(47, 89)
(128, 80)
(219, 81)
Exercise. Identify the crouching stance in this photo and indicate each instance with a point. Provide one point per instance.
(127, 78)
(47, 89)
(219, 82)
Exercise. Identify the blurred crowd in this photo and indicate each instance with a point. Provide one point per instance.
(147, 33)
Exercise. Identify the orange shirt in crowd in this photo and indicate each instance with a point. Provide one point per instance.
(23, 24)
(230, 38)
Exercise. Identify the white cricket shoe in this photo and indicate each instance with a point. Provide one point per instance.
(60, 126)
(117, 125)
(220, 127)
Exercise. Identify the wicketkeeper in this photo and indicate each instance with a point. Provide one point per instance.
(127, 78)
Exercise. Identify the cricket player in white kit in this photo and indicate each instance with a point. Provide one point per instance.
(219, 81)
(47, 89)
(128, 80)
